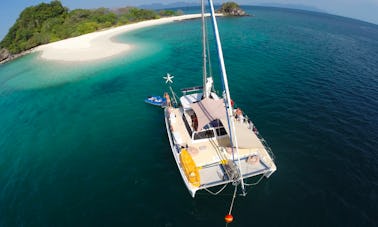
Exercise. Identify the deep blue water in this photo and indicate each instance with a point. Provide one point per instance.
(79, 147)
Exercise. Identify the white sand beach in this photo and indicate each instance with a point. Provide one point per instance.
(98, 45)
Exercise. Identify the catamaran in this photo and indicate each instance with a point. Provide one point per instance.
(213, 142)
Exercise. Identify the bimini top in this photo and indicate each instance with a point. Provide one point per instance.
(208, 110)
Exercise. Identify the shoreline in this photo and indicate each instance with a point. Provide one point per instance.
(96, 45)
(99, 45)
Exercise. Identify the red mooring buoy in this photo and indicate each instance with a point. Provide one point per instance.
(228, 218)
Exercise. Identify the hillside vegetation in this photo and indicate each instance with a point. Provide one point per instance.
(231, 9)
(49, 22)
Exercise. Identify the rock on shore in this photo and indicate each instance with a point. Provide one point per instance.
(4, 54)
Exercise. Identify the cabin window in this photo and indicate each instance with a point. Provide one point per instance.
(221, 131)
(203, 134)
(218, 127)
(216, 123)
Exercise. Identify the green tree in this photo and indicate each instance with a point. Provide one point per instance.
(26, 32)
(49, 22)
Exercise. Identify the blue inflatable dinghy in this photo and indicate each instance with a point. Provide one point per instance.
(155, 100)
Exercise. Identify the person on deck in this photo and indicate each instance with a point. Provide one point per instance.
(167, 99)
(239, 114)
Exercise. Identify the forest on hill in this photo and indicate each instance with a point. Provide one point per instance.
(231, 9)
(49, 22)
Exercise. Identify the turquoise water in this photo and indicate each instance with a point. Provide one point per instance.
(79, 147)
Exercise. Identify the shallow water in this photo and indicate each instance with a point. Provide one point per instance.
(78, 146)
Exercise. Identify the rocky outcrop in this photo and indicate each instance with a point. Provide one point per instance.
(4, 54)
(237, 12)
(231, 9)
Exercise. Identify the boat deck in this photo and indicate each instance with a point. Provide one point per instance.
(209, 155)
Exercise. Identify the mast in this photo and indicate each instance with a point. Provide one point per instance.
(204, 95)
(234, 141)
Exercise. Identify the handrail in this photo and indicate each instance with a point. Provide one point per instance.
(259, 136)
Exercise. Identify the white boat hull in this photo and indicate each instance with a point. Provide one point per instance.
(212, 171)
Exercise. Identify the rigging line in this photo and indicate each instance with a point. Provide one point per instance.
(203, 48)
(224, 195)
(256, 183)
(216, 193)
(208, 51)
(221, 156)
(217, 149)
(175, 95)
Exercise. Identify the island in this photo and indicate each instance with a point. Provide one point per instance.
(51, 22)
(84, 34)
(231, 9)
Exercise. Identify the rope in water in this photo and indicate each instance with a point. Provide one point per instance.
(233, 199)
(216, 193)
(256, 183)
(229, 218)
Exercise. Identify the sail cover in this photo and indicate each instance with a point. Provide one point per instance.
(208, 110)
